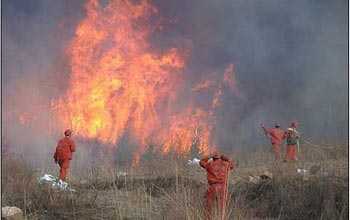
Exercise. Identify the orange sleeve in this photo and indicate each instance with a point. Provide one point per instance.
(72, 146)
(267, 131)
(56, 155)
(230, 163)
(204, 162)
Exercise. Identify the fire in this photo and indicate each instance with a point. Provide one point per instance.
(207, 84)
(120, 83)
(26, 117)
(230, 79)
(136, 159)
(117, 81)
(22, 119)
(187, 130)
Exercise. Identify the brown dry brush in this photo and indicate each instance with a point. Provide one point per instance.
(20, 188)
(171, 190)
(295, 198)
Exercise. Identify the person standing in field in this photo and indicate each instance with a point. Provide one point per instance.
(63, 153)
(277, 136)
(217, 176)
(292, 142)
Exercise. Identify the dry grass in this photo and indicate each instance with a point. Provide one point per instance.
(167, 188)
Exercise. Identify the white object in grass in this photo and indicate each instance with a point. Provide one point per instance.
(194, 161)
(55, 182)
(11, 212)
(301, 171)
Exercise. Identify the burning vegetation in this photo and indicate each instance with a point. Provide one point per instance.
(120, 83)
(125, 95)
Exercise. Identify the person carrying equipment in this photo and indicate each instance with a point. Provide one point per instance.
(292, 142)
(217, 176)
(277, 136)
(63, 153)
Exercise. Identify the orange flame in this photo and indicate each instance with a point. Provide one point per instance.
(136, 159)
(116, 81)
(119, 82)
(202, 86)
(230, 79)
(26, 117)
(22, 119)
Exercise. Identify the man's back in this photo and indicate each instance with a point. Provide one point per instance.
(65, 147)
(277, 135)
(217, 170)
(292, 136)
(217, 175)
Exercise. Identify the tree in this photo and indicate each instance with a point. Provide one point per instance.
(196, 142)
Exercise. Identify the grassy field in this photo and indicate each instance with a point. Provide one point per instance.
(167, 188)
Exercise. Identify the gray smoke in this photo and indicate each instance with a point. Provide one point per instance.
(35, 71)
(290, 58)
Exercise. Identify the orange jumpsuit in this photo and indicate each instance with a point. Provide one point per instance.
(277, 136)
(63, 155)
(217, 173)
(292, 141)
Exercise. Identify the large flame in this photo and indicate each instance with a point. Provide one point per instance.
(119, 82)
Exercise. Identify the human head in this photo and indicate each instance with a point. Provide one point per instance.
(277, 125)
(294, 124)
(68, 132)
(216, 155)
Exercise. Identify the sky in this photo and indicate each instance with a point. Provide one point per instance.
(290, 61)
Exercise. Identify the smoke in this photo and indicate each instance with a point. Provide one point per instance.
(290, 60)
(290, 63)
(35, 71)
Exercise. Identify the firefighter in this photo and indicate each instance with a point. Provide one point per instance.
(63, 153)
(292, 142)
(277, 136)
(217, 175)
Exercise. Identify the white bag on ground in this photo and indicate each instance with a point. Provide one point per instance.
(55, 182)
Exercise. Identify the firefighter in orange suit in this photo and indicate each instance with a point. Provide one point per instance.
(277, 136)
(63, 153)
(217, 175)
(292, 142)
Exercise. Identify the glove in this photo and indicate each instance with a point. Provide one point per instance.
(224, 158)
(207, 157)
